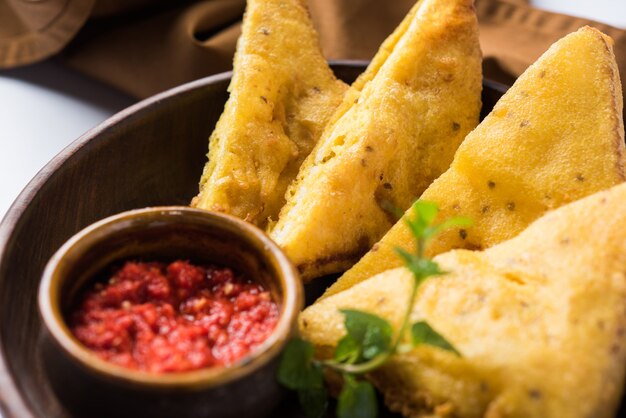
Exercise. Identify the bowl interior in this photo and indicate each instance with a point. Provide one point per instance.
(163, 235)
(151, 154)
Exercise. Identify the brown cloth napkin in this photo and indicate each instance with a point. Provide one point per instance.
(146, 46)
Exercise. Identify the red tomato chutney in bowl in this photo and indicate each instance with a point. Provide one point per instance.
(173, 317)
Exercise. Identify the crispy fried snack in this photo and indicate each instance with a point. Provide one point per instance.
(281, 96)
(539, 320)
(556, 136)
(396, 132)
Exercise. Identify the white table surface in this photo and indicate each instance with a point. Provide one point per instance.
(44, 107)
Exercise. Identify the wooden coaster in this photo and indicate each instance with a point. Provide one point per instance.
(31, 30)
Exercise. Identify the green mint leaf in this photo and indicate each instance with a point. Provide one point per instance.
(411, 261)
(429, 268)
(423, 333)
(417, 227)
(422, 268)
(314, 401)
(423, 214)
(377, 341)
(357, 399)
(296, 370)
(457, 222)
(370, 333)
(425, 211)
(348, 350)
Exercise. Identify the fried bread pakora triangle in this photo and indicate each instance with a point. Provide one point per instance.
(556, 136)
(408, 114)
(281, 96)
(540, 321)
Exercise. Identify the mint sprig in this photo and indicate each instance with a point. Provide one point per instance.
(368, 342)
(367, 336)
(298, 371)
(423, 333)
(357, 399)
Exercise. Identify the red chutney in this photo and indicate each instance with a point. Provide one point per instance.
(176, 317)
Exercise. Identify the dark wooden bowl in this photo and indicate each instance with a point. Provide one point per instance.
(150, 154)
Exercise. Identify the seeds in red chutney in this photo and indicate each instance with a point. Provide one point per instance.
(176, 317)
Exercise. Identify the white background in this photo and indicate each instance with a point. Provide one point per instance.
(44, 107)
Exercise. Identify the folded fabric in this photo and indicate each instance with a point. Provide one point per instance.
(146, 46)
